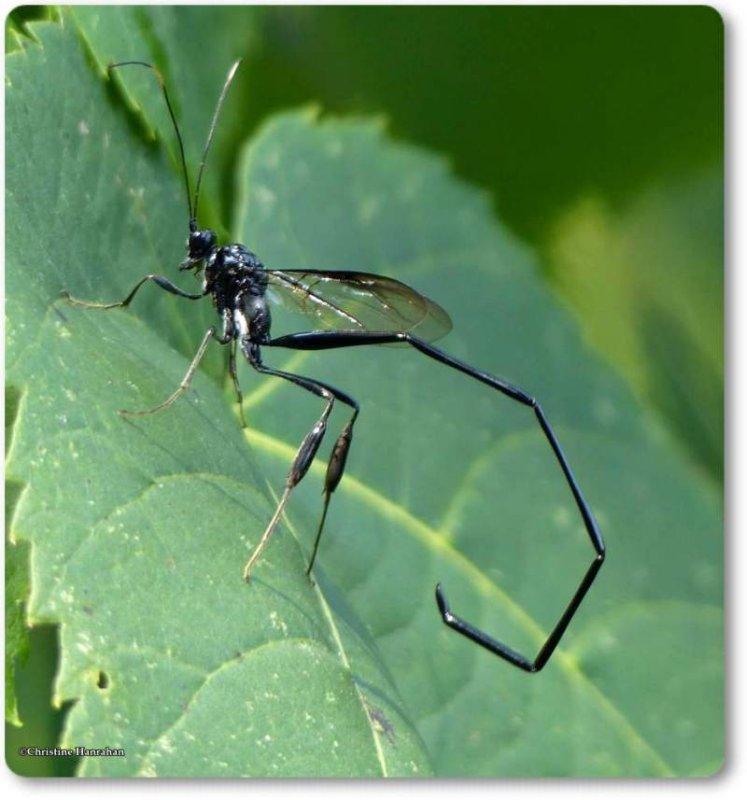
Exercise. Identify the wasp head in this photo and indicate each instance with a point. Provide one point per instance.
(200, 245)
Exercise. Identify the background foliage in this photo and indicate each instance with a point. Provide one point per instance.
(598, 133)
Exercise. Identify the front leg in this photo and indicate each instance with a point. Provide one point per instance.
(159, 280)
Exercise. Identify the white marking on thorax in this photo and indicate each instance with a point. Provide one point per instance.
(240, 322)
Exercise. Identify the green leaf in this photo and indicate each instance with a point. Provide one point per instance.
(139, 526)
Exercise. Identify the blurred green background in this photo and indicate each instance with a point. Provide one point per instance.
(598, 132)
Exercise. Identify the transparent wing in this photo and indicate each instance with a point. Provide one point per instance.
(357, 301)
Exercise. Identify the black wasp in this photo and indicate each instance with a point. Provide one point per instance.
(351, 309)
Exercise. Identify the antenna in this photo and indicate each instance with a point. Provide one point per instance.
(224, 91)
(192, 212)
